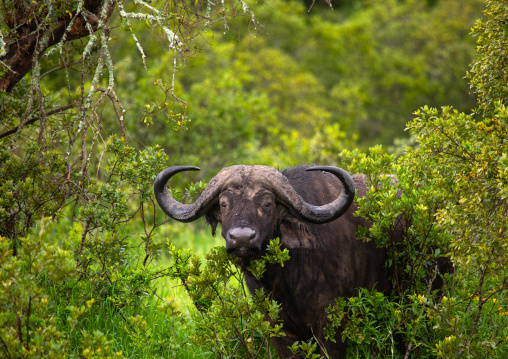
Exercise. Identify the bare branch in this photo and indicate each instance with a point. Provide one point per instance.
(35, 119)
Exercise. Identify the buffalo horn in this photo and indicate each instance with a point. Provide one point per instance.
(176, 210)
(280, 185)
(324, 213)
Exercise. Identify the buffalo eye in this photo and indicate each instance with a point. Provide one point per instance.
(224, 204)
(267, 204)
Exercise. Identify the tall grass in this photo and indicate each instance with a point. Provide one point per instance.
(168, 336)
(173, 335)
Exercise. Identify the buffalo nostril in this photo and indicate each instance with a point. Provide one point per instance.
(242, 235)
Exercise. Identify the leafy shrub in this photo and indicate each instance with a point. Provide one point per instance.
(228, 321)
(80, 237)
(452, 191)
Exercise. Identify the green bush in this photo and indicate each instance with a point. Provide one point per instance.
(452, 191)
(86, 269)
(227, 320)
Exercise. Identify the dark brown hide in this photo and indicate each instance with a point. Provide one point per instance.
(326, 260)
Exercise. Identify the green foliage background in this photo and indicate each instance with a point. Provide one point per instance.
(90, 268)
(307, 84)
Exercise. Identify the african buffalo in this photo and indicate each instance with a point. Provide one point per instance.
(311, 210)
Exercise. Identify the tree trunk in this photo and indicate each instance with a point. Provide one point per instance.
(24, 40)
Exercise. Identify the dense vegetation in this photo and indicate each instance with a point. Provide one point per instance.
(304, 85)
(91, 268)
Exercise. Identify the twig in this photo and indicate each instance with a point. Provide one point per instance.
(8, 67)
(35, 119)
(83, 238)
(28, 323)
(18, 328)
(429, 288)
(6, 351)
(59, 68)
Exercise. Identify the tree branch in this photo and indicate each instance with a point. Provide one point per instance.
(21, 50)
(35, 119)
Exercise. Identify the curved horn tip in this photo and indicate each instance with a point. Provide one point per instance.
(176, 169)
(323, 168)
(330, 169)
(166, 174)
(183, 168)
(343, 175)
(174, 209)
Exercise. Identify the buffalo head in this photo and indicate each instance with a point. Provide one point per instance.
(250, 202)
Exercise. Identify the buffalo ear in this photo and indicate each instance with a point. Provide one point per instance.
(213, 218)
(297, 234)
